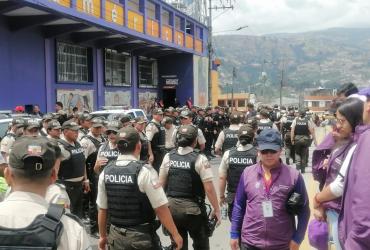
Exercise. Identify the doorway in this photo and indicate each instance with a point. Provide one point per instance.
(169, 96)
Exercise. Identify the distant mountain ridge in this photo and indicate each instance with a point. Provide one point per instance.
(325, 58)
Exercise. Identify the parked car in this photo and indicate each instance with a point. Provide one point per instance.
(4, 126)
(115, 114)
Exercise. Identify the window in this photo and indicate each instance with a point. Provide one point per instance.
(315, 104)
(177, 23)
(148, 75)
(150, 10)
(165, 17)
(241, 103)
(73, 63)
(117, 68)
(134, 5)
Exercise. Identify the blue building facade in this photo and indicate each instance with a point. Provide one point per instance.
(94, 53)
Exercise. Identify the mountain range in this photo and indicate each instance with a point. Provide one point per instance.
(325, 58)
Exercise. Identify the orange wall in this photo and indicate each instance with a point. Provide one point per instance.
(198, 45)
(179, 38)
(189, 42)
(91, 9)
(167, 33)
(152, 27)
(65, 3)
(135, 21)
(114, 13)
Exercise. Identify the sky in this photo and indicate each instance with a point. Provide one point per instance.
(290, 16)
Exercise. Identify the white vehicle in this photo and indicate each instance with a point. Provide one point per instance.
(114, 113)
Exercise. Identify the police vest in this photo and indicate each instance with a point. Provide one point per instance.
(159, 139)
(183, 180)
(238, 161)
(231, 138)
(84, 131)
(91, 159)
(264, 125)
(127, 205)
(144, 153)
(43, 233)
(74, 166)
(288, 124)
(301, 127)
(107, 152)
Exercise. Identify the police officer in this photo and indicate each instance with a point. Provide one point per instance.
(84, 120)
(30, 172)
(108, 151)
(285, 128)
(91, 144)
(188, 176)
(265, 121)
(167, 122)
(186, 119)
(129, 192)
(54, 129)
(233, 163)
(72, 172)
(139, 124)
(32, 127)
(16, 130)
(302, 130)
(45, 121)
(209, 131)
(229, 136)
(126, 120)
(156, 134)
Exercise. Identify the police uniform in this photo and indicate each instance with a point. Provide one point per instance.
(233, 163)
(185, 172)
(286, 127)
(9, 138)
(72, 169)
(264, 124)
(227, 138)
(109, 151)
(302, 141)
(156, 134)
(200, 137)
(91, 145)
(129, 190)
(23, 210)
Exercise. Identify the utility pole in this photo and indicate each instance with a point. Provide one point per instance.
(281, 87)
(210, 45)
(232, 87)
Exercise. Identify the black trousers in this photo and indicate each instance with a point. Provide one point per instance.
(92, 196)
(209, 142)
(75, 192)
(158, 158)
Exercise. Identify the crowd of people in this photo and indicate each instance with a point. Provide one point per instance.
(119, 180)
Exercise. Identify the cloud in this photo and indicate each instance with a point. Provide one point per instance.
(280, 16)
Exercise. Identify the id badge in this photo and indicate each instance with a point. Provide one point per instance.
(267, 209)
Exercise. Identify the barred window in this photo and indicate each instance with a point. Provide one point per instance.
(73, 63)
(148, 72)
(117, 68)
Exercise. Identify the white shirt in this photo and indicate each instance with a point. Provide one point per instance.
(19, 209)
(200, 138)
(221, 136)
(147, 182)
(88, 145)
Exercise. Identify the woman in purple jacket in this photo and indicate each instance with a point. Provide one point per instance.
(349, 115)
(260, 218)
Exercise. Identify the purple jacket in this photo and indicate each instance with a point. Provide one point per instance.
(354, 219)
(274, 233)
(321, 153)
(335, 163)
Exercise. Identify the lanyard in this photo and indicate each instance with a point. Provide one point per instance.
(268, 183)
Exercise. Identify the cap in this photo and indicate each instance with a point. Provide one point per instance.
(187, 131)
(19, 109)
(234, 117)
(32, 123)
(269, 138)
(83, 116)
(97, 122)
(70, 124)
(167, 120)
(318, 234)
(114, 125)
(186, 114)
(365, 92)
(18, 122)
(125, 118)
(47, 117)
(157, 111)
(245, 132)
(128, 137)
(140, 120)
(54, 124)
(33, 154)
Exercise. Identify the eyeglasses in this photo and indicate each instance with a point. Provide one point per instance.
(268, 151)
(111, 132)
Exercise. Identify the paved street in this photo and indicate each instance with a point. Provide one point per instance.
(220, 238)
